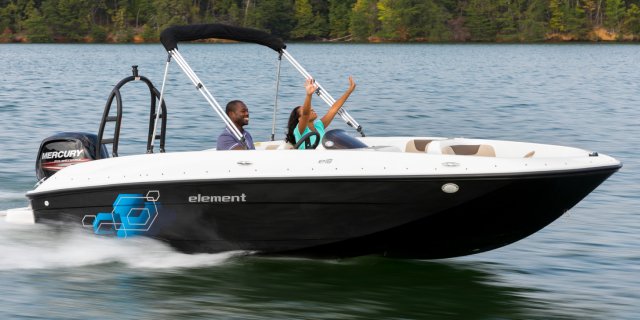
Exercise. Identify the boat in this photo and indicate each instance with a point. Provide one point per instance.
(350, 195)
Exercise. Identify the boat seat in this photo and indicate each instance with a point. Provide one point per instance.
(285, 146)
(482, 150)
(417, 145)
(279, 146)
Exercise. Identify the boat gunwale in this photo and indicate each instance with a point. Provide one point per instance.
(474, 176)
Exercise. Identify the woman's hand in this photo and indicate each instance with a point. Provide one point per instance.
(335, 107)
(352, 84)
(310, 86)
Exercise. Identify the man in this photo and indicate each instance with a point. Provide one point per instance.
(239, 115)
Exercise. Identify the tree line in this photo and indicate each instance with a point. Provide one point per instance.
(326, 20)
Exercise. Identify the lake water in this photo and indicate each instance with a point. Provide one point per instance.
(585, 265)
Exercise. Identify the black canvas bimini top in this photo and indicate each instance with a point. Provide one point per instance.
(172, 35)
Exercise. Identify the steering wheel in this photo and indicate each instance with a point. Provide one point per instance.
(306, 139)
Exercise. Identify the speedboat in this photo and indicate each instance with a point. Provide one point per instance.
(348, 195)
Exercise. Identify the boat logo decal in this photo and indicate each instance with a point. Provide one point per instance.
(62, 154)
(132, 214)
(451, 164)
(217, 199)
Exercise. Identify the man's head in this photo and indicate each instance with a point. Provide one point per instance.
(238, 113)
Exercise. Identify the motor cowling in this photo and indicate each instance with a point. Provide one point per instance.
(65, 149)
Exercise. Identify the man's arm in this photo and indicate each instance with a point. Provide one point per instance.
(227, 142)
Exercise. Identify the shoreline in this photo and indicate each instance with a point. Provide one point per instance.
(597, 35)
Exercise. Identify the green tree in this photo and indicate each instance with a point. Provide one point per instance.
(7, 14)
(532, 25)
(69, 20)
(149, 33)
(569, 17)
(593, 11)
(172, 12)
(614, 12)
(431, 22)
(577, 22)
(36, 26)
(632, 20)
(14, 13)
(339, 11)
(276, 16)
(413, 19)
(405, 20)
(507, 17)
(395, 16)
(558, 21)
(98, 33)
(480, 20)
(122, 32)
(305, 20)
(321, 18)
(450, 6)
(364, 19)
(140, 11)
(234, 14)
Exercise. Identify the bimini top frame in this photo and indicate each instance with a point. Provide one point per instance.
(172, 35)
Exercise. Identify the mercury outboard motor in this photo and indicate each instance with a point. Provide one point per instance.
(65, 149)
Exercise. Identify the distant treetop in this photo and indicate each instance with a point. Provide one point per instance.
(326, 20)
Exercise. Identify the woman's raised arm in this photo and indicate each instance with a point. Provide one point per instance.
(326, 120)
(310, 86)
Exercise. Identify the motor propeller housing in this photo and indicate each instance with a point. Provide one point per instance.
(65, 149)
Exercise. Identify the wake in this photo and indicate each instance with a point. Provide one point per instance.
(9, 195)
(40, 246)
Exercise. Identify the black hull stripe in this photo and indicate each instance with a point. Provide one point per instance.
(495, 176)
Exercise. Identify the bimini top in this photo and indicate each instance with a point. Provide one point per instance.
(172, 35)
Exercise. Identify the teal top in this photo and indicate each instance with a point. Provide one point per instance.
(319, 129)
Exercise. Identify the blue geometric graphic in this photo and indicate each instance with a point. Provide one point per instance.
(132, 214)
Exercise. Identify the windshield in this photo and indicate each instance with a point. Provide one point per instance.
(339, 139)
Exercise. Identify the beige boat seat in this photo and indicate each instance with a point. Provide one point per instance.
(417, 145)
(482, 150)
(279, 146)
(285, 146)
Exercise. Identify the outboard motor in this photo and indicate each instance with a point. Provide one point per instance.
(65, 149)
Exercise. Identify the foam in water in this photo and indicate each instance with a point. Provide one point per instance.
(40, 247)
(18, 215)
(9, 195)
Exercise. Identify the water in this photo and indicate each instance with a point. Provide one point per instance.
(584, 265)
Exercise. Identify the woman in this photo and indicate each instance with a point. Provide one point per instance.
(303, 119)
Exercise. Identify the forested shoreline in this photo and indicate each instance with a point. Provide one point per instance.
(122, 21)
